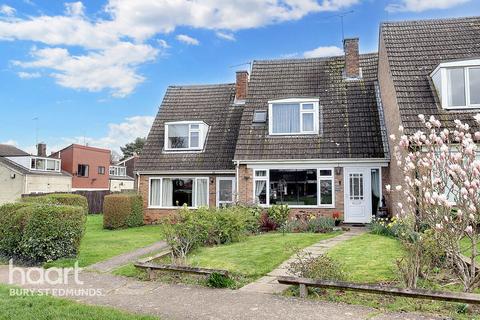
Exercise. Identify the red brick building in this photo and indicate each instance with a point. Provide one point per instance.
(89, 166)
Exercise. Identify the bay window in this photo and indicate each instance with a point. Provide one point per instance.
(169, 192)
(185, 135)
(293, 116)
(458, 84)
(295, 187)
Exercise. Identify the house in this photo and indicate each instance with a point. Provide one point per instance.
(22, 173)
(304, 132)
(87, 165)
(119, 180)
(311, 133)
(130, 163)
(429, 67)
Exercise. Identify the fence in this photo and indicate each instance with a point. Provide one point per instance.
(94, 198)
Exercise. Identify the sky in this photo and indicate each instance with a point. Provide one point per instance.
(95, 72)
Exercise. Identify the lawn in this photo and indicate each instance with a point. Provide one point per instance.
(368, 258)
(257, 255)
(466, 247)
(49, 308)
(99, 244)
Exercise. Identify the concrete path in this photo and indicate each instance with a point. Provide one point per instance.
(123, 259)
(185, 302)
(269, 284)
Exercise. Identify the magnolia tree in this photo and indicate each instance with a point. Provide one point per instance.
(442, 190)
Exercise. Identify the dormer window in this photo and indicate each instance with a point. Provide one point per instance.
(458, 84)
(185, 135)
(294, 116)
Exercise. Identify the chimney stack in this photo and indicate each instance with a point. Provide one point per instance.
(41, 149)
(352, 55)
(241, 86)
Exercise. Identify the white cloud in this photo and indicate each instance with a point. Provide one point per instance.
(423, 5)
(187, 40)
(74, 8)
(7, 10)
(118, 134)
(132, 24)
(28, 75)
(225, 36)
(329, 51)
(163, 44)
(10, 142)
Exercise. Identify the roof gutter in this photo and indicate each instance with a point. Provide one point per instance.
(316, 161)
(177, 172)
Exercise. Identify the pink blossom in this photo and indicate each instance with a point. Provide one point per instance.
(421, 117)
(398, 188)
(477, 117)
(469, 229)
(388, 188)
(392, 137)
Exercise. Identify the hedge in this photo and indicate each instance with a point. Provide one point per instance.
(66, 199)
(38, 232)
(123, 210)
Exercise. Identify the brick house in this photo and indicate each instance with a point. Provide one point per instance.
(89, 166)
(310, 133)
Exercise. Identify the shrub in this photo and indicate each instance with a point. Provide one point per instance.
(279, 215)
(322, 267)
(66, 199)
(297, 225)
(321, 224)
(217, 280)
(12, 222)
(51, 231)
(123, 210)
(266, 223)
(381, 227)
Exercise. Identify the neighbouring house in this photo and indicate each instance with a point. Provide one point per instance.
(130, 163)
(304, 132)
(22, 173)
(89, 166)
(429, 67)
(119, 180)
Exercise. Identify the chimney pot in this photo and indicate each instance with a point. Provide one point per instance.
(42, 150)
(241, 86)
(352, 58)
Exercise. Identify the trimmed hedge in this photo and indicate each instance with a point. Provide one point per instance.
(41, 232)
(123, 210)
(66, 199)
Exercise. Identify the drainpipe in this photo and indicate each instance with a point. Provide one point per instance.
(237, 177)
(138, 182)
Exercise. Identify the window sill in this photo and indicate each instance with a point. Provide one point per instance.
(302, 207)
(293, 134)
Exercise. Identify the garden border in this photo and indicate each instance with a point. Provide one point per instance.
(304, 283)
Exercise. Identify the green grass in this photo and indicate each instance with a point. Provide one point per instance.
(371, 259)
(257, 255)
(466, 247)
(48, 308)
(368, 258)
(99, 244)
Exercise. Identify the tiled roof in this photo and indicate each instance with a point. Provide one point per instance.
(7, 150)
(415, 49)
(351, 126)
(212, 104)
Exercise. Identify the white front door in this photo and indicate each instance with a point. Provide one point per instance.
(225, 191)
(358, 195)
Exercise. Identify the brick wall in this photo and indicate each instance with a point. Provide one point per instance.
(393, 175)
(352, 58)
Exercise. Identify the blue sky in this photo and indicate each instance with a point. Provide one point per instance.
(96, 71)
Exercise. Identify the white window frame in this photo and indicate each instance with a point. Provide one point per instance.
(177, 177)
(301, 102)
(202, 135)
(234, 191)
(319, 179)
(118, 171)
(442, 68)
(56, 166)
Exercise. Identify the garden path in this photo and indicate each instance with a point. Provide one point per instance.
(126, 258)
(269, 284)
(189, 302)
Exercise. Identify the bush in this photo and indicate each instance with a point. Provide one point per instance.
(279, 215)
(266, 223)
(123, 210)
(321, 224)
(67, 199)
(217, 280)
(12, 223)
(322, 267)
(297, 225)
(51, 232)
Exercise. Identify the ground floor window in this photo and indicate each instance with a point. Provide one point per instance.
(295, 187)
(225, 191)
(169, 192)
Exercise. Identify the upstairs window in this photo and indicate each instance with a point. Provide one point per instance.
(458, 84)
(293, 116)
(82, 170)
(185, 135)
(118, 171)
